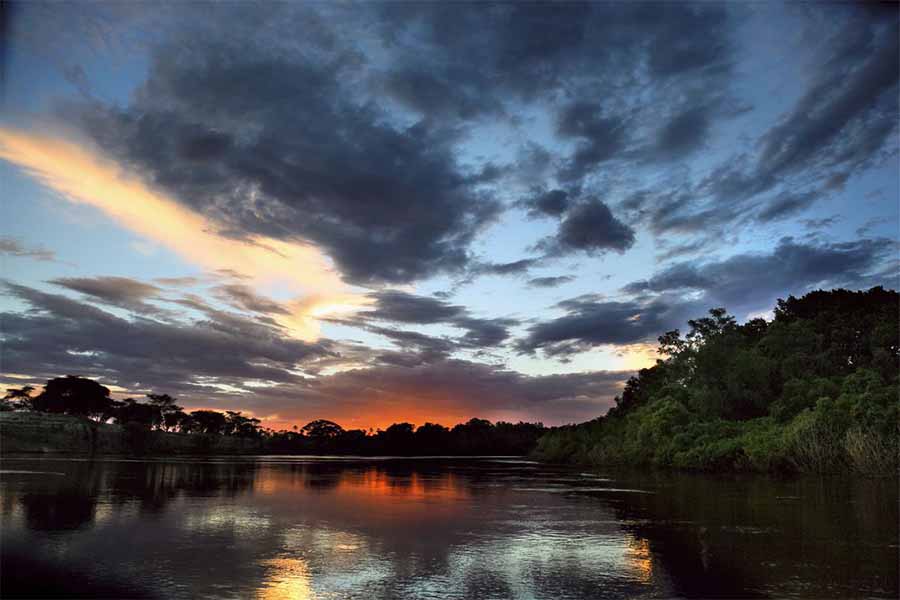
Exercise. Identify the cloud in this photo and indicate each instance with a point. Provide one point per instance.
(453, 391)
(753, 281)
(548, 282)
(228, 361)
(590, 227)
(849, 111)
(589, 323)
(786, 205)
(599, 137)
(743, 283)
(244, 297)
(13, 247)
(216, 127)
(516, 267)
(401, 307)
(87, 178)
(123, 292)
(552, 203)
(60, 335)
(684, 133)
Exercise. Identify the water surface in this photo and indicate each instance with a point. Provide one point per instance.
(302, 527)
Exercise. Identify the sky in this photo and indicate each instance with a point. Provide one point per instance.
(383, 212)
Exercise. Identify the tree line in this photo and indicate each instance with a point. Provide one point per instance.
(82, 397)
(813, 390)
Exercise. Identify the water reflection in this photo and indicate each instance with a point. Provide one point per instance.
(305, 528)
(287, 579)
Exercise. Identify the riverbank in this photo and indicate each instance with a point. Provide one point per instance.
(42, 433)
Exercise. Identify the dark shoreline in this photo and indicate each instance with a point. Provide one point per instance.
(31, 433)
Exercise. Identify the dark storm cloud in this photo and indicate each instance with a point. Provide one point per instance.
(684, 133)
(599, 137)
(552, 203)
(589, 227)
(13, 247)
(122, 292)
(742, 283)
(548, 282)
(484, 333)
(526, 50)
(416, 348)
(401, 307)
(275, 145)
(753, 281)
(849, 110)
(59, 335)
(304, 142)
(844, 122)
(590, 322)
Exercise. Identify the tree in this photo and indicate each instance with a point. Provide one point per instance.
(239, 425)
(399, 438)
(208, 421)
(174, 420)
(75, 396)
(146, 415)
(432, 438)
(320, 429)
(166, 405)
(17, 398)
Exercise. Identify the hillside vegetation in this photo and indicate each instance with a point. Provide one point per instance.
(813, 390)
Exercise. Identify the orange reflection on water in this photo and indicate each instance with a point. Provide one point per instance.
(286, 579)
(639, 558)
(381, 496)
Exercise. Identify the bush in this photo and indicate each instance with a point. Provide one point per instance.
(870, 452)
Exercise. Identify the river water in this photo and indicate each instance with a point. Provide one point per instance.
(304, 527)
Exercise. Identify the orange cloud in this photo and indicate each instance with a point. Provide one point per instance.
(84, 176)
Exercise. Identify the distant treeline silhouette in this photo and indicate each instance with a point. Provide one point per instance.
(814, 390)
(87, 398)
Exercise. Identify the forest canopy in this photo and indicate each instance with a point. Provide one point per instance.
(813, 390)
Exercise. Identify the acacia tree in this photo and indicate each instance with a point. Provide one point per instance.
(131, 411)
(166, 405)
(17, 398)
(239, 425)
(320, 429)
(75, 396)
(208, 421)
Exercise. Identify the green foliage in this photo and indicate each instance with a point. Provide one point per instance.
(815, 390)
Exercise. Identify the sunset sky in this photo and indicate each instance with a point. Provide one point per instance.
(421, 212)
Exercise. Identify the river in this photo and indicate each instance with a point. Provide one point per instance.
(305, 527)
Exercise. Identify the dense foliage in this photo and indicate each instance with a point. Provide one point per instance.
(86, 398)
(814, 390)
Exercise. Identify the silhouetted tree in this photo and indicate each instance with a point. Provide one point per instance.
(17, 398)
(166, 405)
(146, 415)
(433, 439)
(208, 421)
(239, 425)
(399, 438)
(75, 396)
(321, 429)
